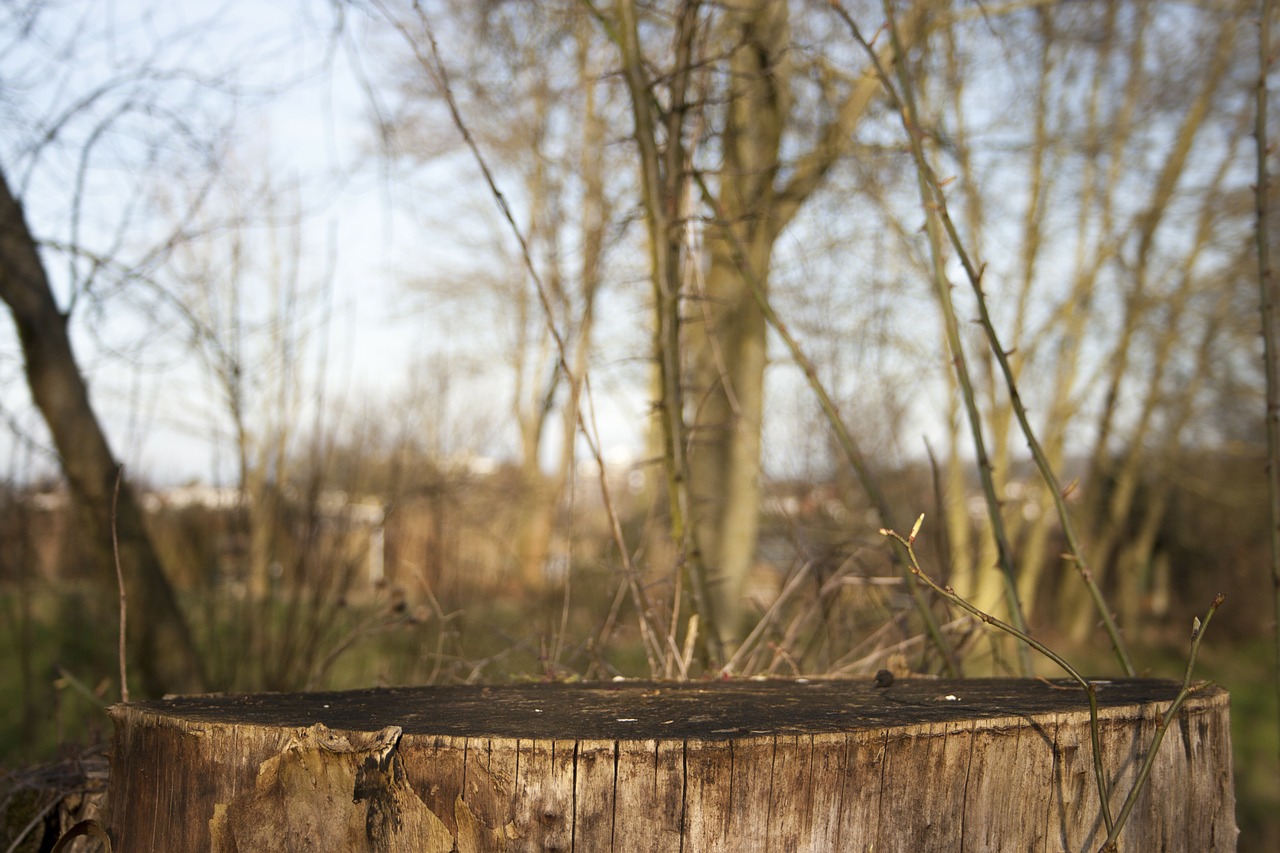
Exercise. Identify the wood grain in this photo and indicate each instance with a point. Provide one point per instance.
(923, 765)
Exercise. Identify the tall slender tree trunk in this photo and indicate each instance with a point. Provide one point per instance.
(727, 348)
(162, 645)
(728, 365)
(722, 353)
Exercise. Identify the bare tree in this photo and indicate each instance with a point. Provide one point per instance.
(1094, 198)
(721, 107)
(161, 640)
(54, 176)
(550, 144)
(111, 112)
(255, 312)
(1117, 338)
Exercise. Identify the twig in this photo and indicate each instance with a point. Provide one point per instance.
(868, 662)
(1197, 633)
(769, 617)
(1100, 776)
(35, 821)
(663, 181)
(83, 829)
(1116, 824)
(848, 444)
(68, 679)
(434, 65)
(927, 184)
(936, 202)
(124, 604)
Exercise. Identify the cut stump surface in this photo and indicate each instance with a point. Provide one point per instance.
(920, 765)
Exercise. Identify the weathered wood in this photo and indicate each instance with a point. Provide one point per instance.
(924, 765)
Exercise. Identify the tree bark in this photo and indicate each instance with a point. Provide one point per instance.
(162, 645)
(727, 348)
(919, 765)
(728, 355)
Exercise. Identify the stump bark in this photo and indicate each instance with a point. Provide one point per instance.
(920, 765)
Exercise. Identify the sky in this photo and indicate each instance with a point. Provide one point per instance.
(301, 120)
(297, 112)
(268, 95)
(293, 106)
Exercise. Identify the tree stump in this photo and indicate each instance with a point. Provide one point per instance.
(919, 765)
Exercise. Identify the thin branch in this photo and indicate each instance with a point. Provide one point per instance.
(663, 182)
(904, 103)
(435, 66)
(1116, 824)
(1144, 772)
(1270, 306)
(124, 603)
(1100, 776)
(848, 444)
(936, 202)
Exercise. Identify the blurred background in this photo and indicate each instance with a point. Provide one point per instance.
(407, 343)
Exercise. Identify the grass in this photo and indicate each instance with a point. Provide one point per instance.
(57, 681)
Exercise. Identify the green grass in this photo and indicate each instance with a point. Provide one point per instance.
(57, 657)
(58, 668)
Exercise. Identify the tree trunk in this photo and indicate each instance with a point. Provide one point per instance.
(729, 358)
(163, 650)
(728, 347)
(919, 765)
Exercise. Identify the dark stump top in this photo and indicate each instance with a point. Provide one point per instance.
(641, 710)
